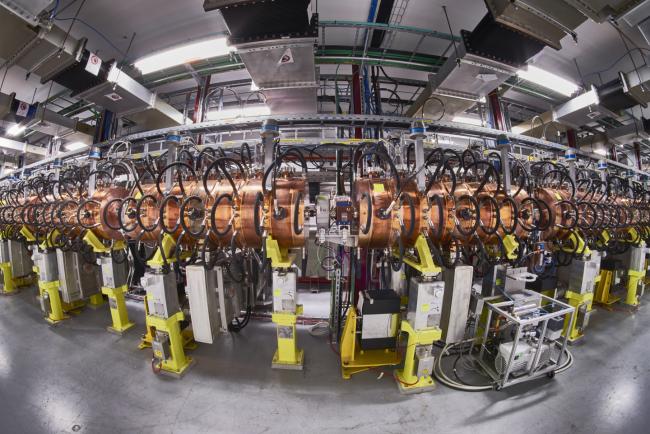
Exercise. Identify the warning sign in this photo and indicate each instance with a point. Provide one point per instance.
(23, 109)
(94, 64)
(287, 57)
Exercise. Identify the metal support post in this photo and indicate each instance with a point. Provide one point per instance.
(503, 144)
(418, 134)
(269, 132)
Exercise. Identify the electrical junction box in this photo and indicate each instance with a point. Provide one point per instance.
(580, 276)
(228, 299)
(379, 318)
(20, 258)
(162, 295)
(202, 296)
(425, 303)
(284, 291)
(114, 275)
(456, 302)
(47, 266)
(77, 277)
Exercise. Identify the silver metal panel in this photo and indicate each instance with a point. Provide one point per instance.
(580, 275)
(51, 123)
(637, 84)
(21, 261)
(4, 251)
(5, 104)
(425, 304)
(291, 100)
(228, 299)
(28, 10)
(629, 133)
(77, 277)
(125, 96)
(546, 20)
(202, 296)
(284, 291)
(114, 275)
(461, 81)
(455, 305)
(601, 10)
(46, 262)
(581, 110)
(162, 295)
(285, 73)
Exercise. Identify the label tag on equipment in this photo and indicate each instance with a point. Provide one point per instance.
(113, 96)
(93, 64)
(23, 109)
(287, 57)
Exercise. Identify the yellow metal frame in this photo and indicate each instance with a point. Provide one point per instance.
(58, 308)
(29, 236)
(603, 294)
(576, 300)
(147, 337)
(280, 257)
(166, 247)
(178, 363)
(11, 283)
(510, 244)
(633, 279)
(407, 379)
(353, 358)
(424, 262)
(287, 355)
(580, 244)
(119, 313)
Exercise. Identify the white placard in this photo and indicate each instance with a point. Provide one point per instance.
(94, 64)
(23, 109)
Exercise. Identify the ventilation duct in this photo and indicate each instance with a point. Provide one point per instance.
(483, 60)
(602, 10)
(53, 124)
(124, 96)
(635, 132)
(5, 104)
(275, 40)
(28, 10)
(40, 50)
(546, 20)
(582, 110)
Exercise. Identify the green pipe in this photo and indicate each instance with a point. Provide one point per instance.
(389, 27)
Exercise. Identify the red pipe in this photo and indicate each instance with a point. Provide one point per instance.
(356, 97)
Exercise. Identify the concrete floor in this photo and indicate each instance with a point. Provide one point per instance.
(76, 377)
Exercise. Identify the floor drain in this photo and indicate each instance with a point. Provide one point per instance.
(76, 428)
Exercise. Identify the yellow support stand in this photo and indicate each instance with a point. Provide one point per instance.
(96, 301)
(147, 337)
(355, 359)
(119, 313)
(579, 243)
(603, 294)
(178, 362)
(407, 378)
(424, 262)
(287, 356)
(576, 300)
(633, 279)
(279, 257)
(57, 306)
(12, 284)
(167, 246)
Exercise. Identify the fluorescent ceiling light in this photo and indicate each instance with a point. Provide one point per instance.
(467, 120)
(75, 146)
(255, 110)
(16, 130)
(184, 54)
(548, 80)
